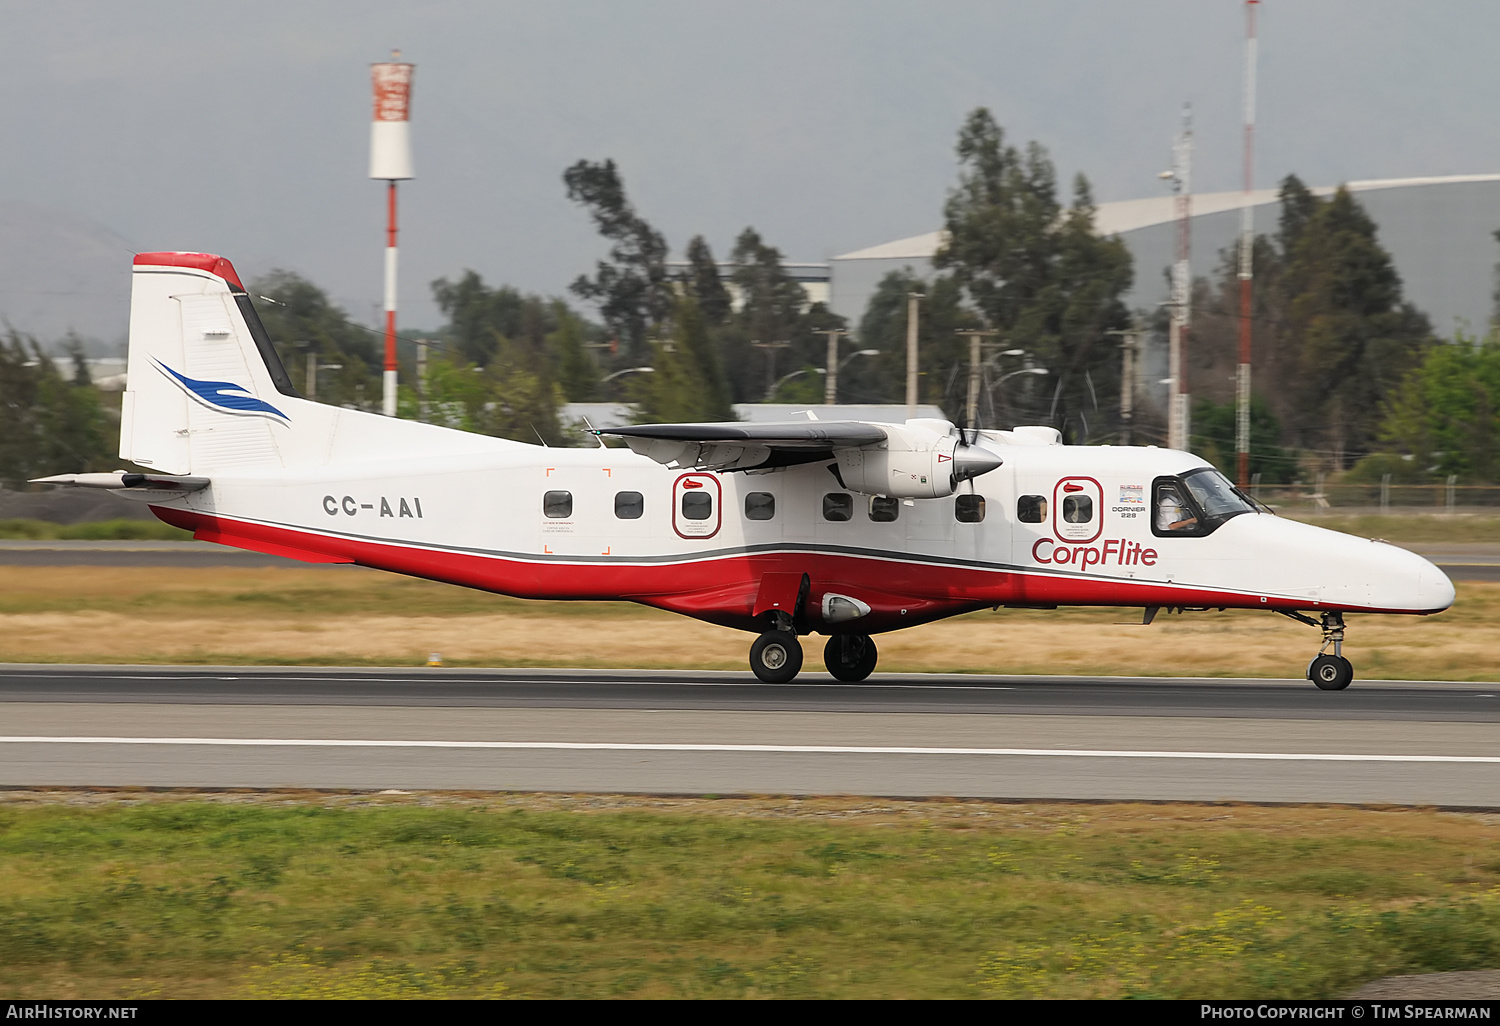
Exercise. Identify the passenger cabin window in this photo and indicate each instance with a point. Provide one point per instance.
(969, 509)
(1032, 509)
(629, 505)
(1194, 504)
(1078, 509)
(884, 509)
(837, 506)
(697, 505)
(557, 505)
(760, 506)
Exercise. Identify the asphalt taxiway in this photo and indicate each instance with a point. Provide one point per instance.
(1160, 739)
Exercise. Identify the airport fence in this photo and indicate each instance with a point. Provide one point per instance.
(1447, 497)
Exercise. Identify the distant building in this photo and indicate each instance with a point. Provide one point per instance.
(1437, 230)
(812, 277)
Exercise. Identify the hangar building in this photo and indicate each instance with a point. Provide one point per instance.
(1439, 232)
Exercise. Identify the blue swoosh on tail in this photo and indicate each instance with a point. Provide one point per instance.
(218, 394)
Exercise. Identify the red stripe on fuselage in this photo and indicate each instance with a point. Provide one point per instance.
(901, 591)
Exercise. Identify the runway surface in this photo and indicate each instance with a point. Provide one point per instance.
(723, 733)
(1477, 561)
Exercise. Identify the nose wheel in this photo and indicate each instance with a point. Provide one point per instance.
(850, 657)
(776, 657)
(1331, 672)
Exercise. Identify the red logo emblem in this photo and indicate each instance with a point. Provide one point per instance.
(690, 483)
(1072, 486)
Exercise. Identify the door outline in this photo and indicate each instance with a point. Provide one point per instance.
(705, 478)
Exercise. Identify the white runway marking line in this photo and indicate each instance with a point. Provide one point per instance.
(626, 746)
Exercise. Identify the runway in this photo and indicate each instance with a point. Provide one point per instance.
(1156, 739)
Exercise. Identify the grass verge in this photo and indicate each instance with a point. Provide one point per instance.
(350, 617)
(96, 530)
(286, 895)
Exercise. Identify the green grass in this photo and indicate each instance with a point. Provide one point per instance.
(97, 530)
(1410, 527)
(301, 896)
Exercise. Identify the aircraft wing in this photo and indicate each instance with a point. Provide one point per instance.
(746, 446)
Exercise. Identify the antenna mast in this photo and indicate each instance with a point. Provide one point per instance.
(1247, 259)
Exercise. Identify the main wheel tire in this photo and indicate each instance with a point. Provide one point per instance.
(1330, 672)
(850, 657)
(776, 657)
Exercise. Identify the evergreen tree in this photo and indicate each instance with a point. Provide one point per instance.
(704, 284)
(687, 384)
(48, 424)
(631, 288)
(1355, 337)
(1038, 272)
(305, 325)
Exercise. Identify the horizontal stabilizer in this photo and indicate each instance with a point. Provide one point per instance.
(122, 479)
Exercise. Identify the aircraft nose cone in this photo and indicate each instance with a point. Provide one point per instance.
(971, 460)
(1434, 589)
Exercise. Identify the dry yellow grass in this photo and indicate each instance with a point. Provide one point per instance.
(345, 616)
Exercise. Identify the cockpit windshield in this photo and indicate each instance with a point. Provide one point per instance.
(1218, 499)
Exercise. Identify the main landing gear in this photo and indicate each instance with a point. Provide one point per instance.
(776, 656)
(1331, 672)
(850, 657)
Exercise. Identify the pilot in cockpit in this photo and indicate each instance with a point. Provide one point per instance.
(1172, 514)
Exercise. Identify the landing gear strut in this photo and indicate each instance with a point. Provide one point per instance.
(850, 657)
(776, 656)
(1331, 672)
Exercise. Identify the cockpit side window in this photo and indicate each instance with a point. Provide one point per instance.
(1194, 504)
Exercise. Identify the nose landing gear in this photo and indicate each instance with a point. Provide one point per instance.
(1331, 672)
(1328, 672)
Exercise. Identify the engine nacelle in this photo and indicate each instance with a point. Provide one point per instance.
(914, 463)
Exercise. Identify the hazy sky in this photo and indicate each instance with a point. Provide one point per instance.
(242, 128)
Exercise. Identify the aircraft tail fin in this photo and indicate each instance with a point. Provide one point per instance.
(204, 385)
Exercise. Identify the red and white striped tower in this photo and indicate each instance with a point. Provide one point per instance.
(390, 160)
(1247, 259)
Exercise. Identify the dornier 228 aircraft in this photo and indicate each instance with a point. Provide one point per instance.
(846, 529)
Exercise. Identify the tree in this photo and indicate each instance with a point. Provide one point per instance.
(687, 384)
(631, 288)
(704, 284)
(1214, 438)
(1446, 414)
(1037, 272)
(523, 346)
(48, 424)
(944, 355)
(1355, 337)
(305, 325)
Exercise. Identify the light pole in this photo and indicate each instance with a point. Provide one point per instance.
(770, 348)
(976, 337)
(1129, 354)
(831, 375)
(913, 301)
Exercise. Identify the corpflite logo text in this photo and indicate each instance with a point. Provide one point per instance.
(1114, 552)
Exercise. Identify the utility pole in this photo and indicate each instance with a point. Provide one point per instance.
(976, 337)
(831, 379)
(913, 300)
(770, 348)
(422, 344)
(1247, 260)
(1181, 177)
(1129, 356)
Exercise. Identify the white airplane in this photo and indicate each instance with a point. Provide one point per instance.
(841, 528)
